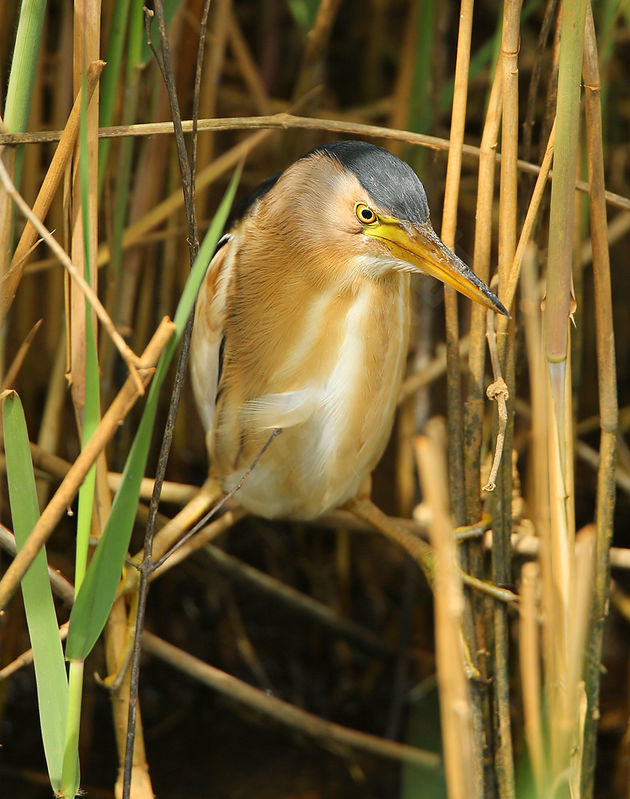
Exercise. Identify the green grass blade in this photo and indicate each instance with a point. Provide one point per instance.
(23, 65)
(91, 410)
(109, 83)
(95, 598)
(304, 13)
(70, 779)
(50, 673)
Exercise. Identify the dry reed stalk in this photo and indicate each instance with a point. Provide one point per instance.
(66, 492)
(327, 732)
(502, 497)
(172, 275)
(9, 378)
(151, 175)
(530, 664)
(609, 417)
(290, 121)
(462, 760)
(509, 288)
(558, 404)
(62, 102)
(540, 500)
(205, 536)
(130, 358)
(449, 226)
(167, 537)
(473, 423)
(50, 184)
(86, 49)
(117, 640)
(474, 406)
(474, 413)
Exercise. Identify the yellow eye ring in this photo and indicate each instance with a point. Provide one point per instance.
(365, 214)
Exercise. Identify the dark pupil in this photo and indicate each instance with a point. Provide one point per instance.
(367, 214)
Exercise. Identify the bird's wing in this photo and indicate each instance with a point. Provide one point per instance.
(208, 338)
(280, 410)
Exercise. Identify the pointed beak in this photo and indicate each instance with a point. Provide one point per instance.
(421, 248)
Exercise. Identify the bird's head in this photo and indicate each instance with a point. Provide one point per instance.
(358, 199)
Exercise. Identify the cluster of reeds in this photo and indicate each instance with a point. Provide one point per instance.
(89, 149)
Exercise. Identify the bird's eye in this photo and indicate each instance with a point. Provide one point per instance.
(365, 214)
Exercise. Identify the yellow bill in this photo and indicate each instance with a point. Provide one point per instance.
(421, 248)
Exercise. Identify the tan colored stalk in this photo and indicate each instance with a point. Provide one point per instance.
(177, 493)
(206, 535)
(474, 414)
(117, 639)
(607, 388)
(60, 159)
(502, 497)
(481, 265)
(151, 171)
(558, 409)
(540, 499)
(289, 121)
(461, 760)
(66, 492)
(86, 49)
(449, 226)
(130, 358)
(166, 538)
(327, 732)
(432, 371)
(509, 290)
(8, 380)
(530, 662)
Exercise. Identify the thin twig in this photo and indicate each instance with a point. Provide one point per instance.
(449, 226)
(66, 492)
(325, 731)
(50, 184)
(216, 508)
(497, 390)
(129, 356)
(6, 381)
(288, 121)
(187, 173)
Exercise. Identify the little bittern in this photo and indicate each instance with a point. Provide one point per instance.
(302, 324)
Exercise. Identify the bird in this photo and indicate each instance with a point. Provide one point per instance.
(301, 326)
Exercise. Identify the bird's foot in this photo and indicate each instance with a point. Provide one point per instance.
(363, 508)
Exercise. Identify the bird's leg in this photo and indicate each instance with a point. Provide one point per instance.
(222, 500)
(420, 551)
(363, 508)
